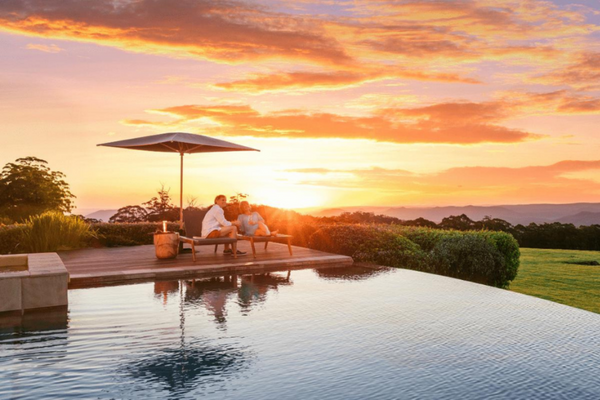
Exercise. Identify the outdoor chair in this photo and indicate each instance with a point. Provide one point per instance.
(192, 220)
(266, 239)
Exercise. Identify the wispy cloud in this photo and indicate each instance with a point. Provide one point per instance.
(583, 73)
(45, 48)
(532, 183)
(312, 81)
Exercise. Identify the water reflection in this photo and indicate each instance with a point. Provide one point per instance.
(353, 273)
(213, 294)
(254, 289)
(163, 289)
(247, 291)
(46, 319)
(190, 365)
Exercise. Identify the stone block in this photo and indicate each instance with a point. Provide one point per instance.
(10, 293)
(45, 291)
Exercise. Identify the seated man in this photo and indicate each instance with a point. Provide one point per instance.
(215, 225)
(252, 223)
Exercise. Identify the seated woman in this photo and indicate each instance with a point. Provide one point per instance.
(251, 223)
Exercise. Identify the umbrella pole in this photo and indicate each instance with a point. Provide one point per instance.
(181, 193)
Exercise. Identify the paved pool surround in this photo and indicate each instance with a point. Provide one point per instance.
(32, 281)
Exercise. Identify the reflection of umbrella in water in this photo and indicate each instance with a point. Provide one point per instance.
(178, 142)
(198, 363)
(189, 365)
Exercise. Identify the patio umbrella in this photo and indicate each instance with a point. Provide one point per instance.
(178, 142)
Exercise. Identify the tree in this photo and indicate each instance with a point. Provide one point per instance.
(130, 214)
(494, 224)
(459, 223)
(420, 222)
(28, 187)
(160, 208)
(232, 210)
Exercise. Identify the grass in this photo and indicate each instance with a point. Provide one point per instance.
(547, 274)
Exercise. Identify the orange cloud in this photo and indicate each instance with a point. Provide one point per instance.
(534, 183)
(261, 83)
(45, 48)
(366, 41)
(416, 125)
(511, 18)
(556, 102)
(583, 74)
(228, 32)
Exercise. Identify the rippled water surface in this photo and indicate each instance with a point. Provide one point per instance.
(313, 334)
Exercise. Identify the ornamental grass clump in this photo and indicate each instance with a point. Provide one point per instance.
(12, 238)
(53, 231)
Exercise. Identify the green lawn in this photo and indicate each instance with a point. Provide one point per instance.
(544, 273)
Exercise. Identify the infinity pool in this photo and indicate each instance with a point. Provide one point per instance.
(331, 333)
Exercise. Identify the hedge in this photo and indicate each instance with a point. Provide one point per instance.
(487, 257)
(127, 234)
(369, 244)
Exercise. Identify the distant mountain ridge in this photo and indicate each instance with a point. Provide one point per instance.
(574, 213)
(102, 215)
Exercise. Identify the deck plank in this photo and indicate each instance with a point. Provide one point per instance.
(122, 265)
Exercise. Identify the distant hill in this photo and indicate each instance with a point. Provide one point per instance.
(575, 213)
(582, 218)
(102, 215)
(334, 212)
(476, 213)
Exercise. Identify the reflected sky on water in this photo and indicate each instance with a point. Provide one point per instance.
(340, 333)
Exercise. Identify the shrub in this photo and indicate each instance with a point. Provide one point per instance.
(487, 257)
(426, 238)
(128, 234)
(368, 244)
(469, 257)
(52, 231)
(12, 238)
(508, 246)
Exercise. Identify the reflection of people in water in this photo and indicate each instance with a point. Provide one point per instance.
(254, 288)
(163, 289)
(212, 293)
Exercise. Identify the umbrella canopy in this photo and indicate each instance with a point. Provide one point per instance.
(178, 142)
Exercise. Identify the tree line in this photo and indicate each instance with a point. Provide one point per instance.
(553, 235)
(28, 187)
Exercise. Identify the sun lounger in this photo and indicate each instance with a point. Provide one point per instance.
(192, 220)
(266, 239)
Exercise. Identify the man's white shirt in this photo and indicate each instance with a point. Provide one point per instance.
(214, 220)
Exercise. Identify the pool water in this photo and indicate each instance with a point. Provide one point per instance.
(335, 333)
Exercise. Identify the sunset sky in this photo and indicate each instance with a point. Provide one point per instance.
(384, 103)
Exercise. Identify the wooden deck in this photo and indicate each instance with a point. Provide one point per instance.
(122, 265)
